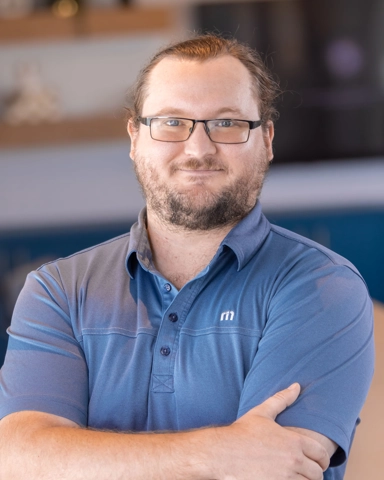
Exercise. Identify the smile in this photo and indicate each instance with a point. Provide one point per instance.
(200, 171)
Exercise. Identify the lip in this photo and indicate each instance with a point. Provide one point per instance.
(200, 171)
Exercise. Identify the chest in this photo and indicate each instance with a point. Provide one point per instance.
(172, 360)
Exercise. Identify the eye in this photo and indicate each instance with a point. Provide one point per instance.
(227, 123)
(173, 122)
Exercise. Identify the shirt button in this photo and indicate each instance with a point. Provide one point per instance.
(165, 351)
(167, 287)
(173, 317)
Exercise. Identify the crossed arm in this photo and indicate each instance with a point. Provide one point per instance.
(36, 445)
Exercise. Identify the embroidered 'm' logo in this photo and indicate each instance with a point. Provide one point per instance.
(227, 315)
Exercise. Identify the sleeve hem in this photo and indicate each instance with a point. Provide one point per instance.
(322, 425)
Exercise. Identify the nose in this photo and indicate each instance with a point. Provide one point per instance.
(199, 144)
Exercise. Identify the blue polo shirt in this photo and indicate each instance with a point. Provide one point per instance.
(102, 339)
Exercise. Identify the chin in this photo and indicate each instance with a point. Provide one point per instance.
(198, 195)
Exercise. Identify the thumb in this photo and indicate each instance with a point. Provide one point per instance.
(278, 402)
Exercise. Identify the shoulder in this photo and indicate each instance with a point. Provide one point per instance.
(107, 254)
(94, 270)
(302, 252)
(83, 283)
(306, 276)
(291, 239)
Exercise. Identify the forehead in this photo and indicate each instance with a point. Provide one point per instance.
(191, 85)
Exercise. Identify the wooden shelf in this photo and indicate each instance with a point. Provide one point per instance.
(101, 128)
(92, 22)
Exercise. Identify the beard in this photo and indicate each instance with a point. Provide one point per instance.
(197, 208)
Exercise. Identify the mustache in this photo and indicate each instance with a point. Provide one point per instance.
(206, 163)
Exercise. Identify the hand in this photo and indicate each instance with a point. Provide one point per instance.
(256, 447)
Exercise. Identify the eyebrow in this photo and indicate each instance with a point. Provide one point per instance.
(173, 112)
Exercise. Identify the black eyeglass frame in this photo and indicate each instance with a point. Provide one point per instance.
(252, 125)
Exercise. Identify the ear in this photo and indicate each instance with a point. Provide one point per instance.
(268, 134)
(133, 133)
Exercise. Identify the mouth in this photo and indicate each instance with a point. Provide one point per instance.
(195, 167)
(201, 171)
(199, 174)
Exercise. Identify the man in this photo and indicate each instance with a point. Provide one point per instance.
(195, 324)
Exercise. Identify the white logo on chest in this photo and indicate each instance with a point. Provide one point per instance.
(227, 315)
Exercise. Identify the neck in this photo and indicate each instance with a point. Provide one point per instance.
(180, 254)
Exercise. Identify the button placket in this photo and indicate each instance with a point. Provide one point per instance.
(176, 306)
(168, 293)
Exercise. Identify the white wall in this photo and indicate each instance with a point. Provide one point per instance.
(325, 185)
(89, 76)
(73, 185)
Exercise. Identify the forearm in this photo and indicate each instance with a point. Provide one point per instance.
(52, 452)
(39, 446)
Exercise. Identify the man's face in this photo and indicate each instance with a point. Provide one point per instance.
(198, 184)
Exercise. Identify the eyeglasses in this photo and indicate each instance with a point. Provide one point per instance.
(222, 130)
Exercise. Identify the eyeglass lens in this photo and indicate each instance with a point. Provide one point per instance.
(179, 130)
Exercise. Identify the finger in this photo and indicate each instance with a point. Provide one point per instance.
(302, 477)
(310, 470)
(316, 452)
(279, 402)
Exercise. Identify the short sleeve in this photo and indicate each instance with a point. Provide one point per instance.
(44, 368)
(319, 333)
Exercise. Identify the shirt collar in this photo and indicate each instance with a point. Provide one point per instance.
(248, 235)
(139, 247)
(244, 240)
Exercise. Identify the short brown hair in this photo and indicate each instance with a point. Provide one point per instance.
(205, 47)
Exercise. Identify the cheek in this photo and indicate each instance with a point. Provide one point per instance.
(254, 164)
(241, 161)
(160, 155)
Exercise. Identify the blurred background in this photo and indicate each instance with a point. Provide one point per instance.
(66, 180)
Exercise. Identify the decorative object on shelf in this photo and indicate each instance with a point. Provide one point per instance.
(65, 8)
(32, 102)
(16, 8)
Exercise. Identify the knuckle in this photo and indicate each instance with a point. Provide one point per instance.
(324, 458)
(279, 396)
(326, 454)
(296, 461)
(298, 442)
